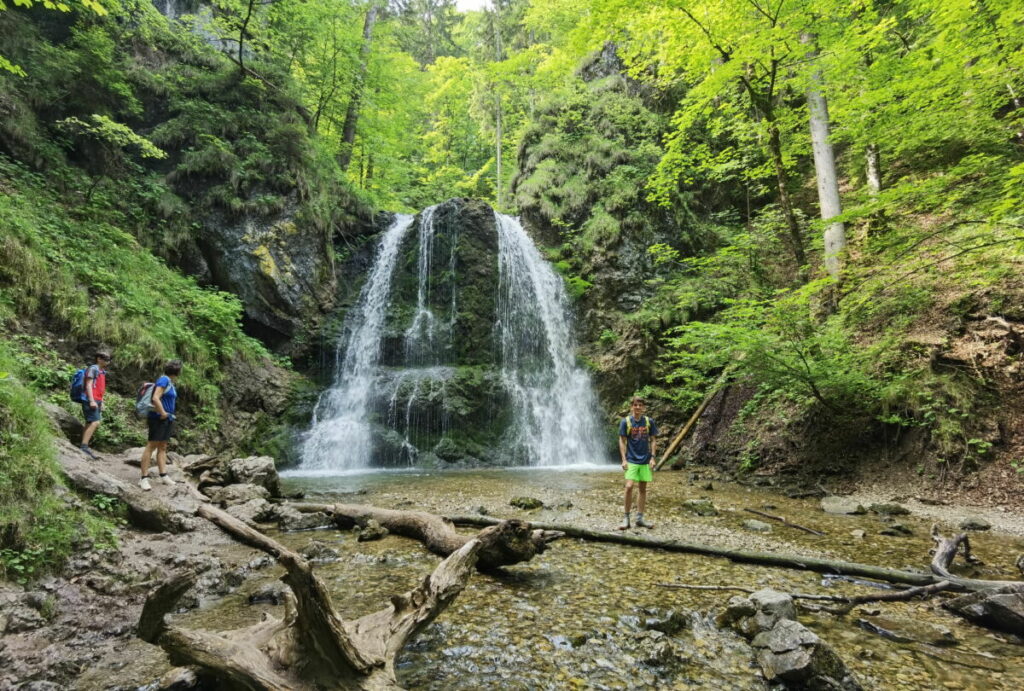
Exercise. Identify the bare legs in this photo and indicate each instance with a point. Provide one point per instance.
(88, 432)
(161, 457)
(641, 500)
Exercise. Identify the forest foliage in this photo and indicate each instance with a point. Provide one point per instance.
(680, 128)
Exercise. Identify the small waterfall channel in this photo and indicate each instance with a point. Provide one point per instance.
(458, 352)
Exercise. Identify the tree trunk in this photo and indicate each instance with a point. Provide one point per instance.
(828, 183)
(787, 561)
(313, 647)
(348, 130)
(796, 243)
(497, 149)
(438, 534)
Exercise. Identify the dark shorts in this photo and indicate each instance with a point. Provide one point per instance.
(92, 414)
(160, 430)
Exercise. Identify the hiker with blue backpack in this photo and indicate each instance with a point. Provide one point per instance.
(160, 400)
(87, 387)
(637, 439)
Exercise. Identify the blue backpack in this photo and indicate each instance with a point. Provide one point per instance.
(77, 392)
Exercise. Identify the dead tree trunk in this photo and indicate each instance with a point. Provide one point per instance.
(438, 533)
(313, 647)
(786, 561)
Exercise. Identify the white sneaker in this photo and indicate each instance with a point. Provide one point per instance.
(144, 484)
(166, 479)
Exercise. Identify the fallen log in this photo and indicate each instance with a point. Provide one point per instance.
(787, 561)
(848, 602)
(438, 534)
(313, 647)
(782, 520)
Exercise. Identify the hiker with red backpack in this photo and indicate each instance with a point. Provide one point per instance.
(87, 387)
(160, 399)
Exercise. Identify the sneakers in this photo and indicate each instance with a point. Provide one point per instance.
(88, 452)
(641, 523)
(625, 524)
(144, 484)
(166, 479)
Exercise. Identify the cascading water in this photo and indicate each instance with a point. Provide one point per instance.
(339, 427)
(459, 350)
(552, 401)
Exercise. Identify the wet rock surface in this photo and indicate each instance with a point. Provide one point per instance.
(700, 507)
(842, 506)
(795, 655)
(999, 608)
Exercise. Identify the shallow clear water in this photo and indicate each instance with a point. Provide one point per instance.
(574, 616)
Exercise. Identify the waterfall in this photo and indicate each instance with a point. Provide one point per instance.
(338, 438)
(553, 403)
(409, 392)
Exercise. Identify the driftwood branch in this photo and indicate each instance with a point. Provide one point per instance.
(520, 541)
(313, 647)
(782, 520)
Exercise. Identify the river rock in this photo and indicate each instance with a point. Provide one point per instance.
(700, 507)
(757, 613)
(371, 530)
(998, 608)
(842, 506)
(975, 523)
(526, 503)
(288, 518)
(757, 526)
(793, 654)
(272, 593)
(319, 551)
(896, 530)
(889, 509)
(859, 534)
(251, 512)
(738, 609)
(238, 494)
(255, 470)
(669, 622)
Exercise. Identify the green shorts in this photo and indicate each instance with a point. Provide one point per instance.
(640, 472)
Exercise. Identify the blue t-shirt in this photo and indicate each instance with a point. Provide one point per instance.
(638, 435)
(167, 398)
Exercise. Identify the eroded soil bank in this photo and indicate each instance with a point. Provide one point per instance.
(576, 617)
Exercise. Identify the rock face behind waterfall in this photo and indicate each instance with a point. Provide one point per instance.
(454, 414)
(459, 351)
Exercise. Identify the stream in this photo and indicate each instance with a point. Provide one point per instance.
(586, 615)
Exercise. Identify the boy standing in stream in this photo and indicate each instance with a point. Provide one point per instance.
(637, 439)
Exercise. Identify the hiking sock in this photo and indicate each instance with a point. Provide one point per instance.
(639, 518)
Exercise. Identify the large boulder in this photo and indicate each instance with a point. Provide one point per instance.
(998, 608)
(254, 470)
(238, 494)
(793, 654)
(761, 611)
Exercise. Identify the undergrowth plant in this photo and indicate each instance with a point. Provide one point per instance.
(41, 522)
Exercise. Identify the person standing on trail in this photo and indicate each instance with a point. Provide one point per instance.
(161, 423)
(637, 439)
(95, 385)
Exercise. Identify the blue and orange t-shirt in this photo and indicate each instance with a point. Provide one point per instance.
(638, 435)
